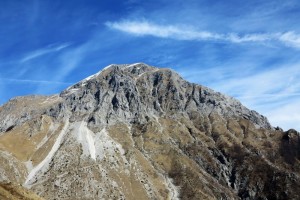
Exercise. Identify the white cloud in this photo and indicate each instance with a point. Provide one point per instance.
(43, 51)
(248, 38)
(32, 81)
(290, 39)
(274, 81)
(174, 32)
(286, 115)
(70, 60)
(142, 28)
(274, 93)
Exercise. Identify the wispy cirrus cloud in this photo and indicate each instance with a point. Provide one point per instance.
(290, 38)
(143, 28)
(286, 115)
(174, 32)
(43, 51)
(274, 92)
(6, 80)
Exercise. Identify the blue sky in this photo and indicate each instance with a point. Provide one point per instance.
(246, 49)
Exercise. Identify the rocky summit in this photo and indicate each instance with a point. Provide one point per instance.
(141, 132)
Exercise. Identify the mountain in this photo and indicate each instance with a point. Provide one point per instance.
(141, 132)
(16, 192)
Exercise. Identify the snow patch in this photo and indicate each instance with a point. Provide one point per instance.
(97, 74)
(83, 82)
(105, 68)
(132, 65)
(45, 163)
(73, 90)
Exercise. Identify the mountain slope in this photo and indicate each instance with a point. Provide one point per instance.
(10, 191)
(140, 132)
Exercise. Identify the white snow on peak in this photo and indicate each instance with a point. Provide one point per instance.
(83, 82)
(97, 74)
(45, 163)
(132, 65)
(72, 90)
(105, 68)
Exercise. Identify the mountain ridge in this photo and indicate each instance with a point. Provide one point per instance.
(144, 129)
(124, 66)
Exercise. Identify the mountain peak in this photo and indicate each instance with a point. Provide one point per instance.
(135, 69)
(137, 130)
(138, 89)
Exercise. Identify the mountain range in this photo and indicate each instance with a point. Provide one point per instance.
(136, 131)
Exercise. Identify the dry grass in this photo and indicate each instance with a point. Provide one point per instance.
(132, 183)
(9, 191)
(22, 140)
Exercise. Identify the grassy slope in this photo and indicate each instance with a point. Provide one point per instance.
(9, 191)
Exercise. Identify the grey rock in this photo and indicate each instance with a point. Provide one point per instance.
(133, 92)
(168, 138)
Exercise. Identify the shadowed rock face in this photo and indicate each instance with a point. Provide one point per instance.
(141, 132)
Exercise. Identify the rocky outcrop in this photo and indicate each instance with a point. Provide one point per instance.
(131, 92)
(141, 132)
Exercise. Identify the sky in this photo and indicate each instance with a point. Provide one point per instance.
(246, 49)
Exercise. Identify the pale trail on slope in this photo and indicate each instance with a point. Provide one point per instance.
(96, 145)
(48, 158)
(107, 146)
(86, 137)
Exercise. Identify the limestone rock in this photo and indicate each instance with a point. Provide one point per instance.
(142, 132)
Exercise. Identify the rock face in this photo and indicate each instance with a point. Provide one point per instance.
(141, 132)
